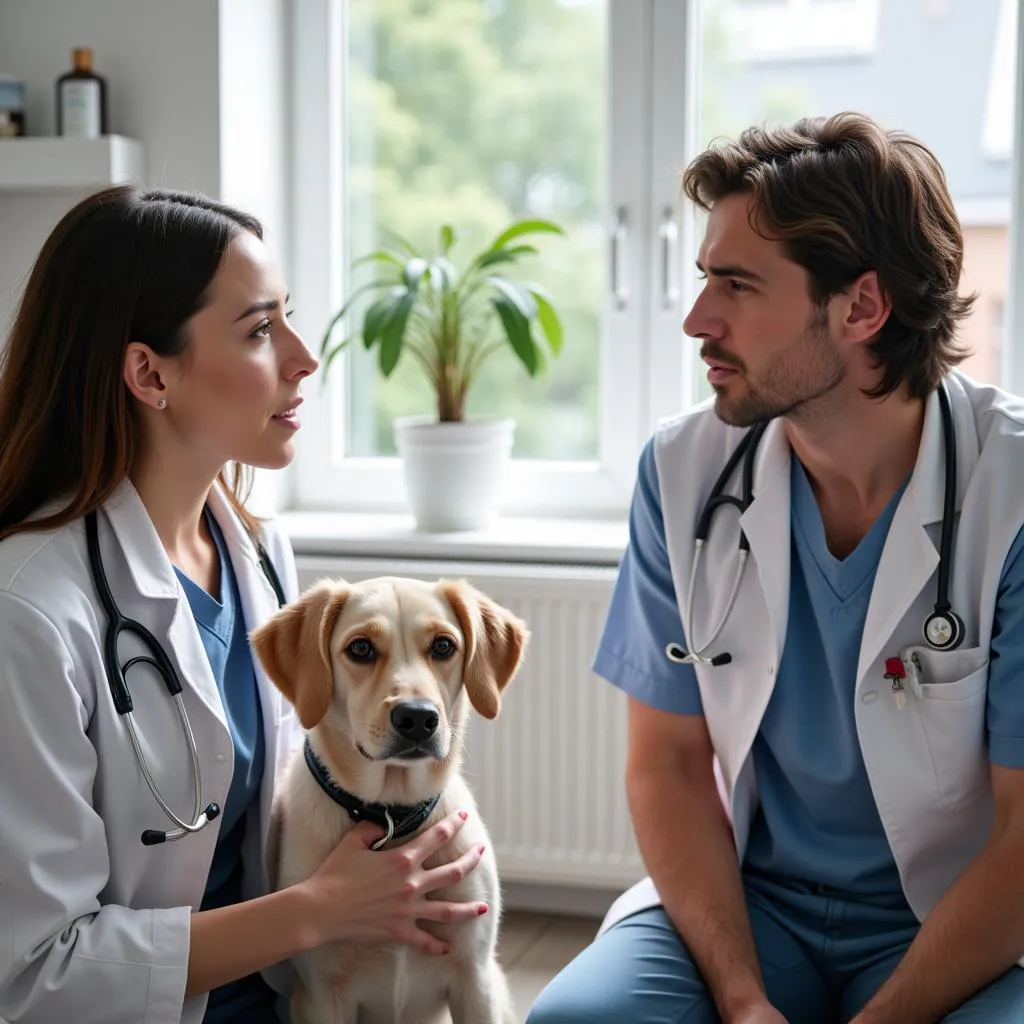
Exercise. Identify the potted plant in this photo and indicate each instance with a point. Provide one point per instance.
(451, 321)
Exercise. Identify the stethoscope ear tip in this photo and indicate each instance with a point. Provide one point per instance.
(154, 836)
(681, 656)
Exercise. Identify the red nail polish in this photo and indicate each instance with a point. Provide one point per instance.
(482, 909)
(481, 850)
(463, 815)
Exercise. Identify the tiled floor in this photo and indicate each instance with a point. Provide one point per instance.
(534, 947)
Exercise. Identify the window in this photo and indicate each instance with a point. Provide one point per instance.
(410, 113)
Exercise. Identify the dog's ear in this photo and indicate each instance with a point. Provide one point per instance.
(495, 643)
(294, 648)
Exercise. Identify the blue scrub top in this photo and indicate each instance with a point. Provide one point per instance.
(224, 635)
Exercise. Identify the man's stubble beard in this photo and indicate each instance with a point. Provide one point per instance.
(809, 369)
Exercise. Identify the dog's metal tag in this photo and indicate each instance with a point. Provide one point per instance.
(384, 840)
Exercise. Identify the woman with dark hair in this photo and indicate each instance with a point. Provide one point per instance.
(150, 353)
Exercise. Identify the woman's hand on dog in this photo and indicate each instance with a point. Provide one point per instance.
(361, 895)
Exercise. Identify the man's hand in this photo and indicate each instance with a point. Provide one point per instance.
(973, 934)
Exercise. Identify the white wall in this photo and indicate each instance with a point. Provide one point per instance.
(201, 83)
(160, 60)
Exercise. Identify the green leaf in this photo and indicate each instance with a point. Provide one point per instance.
(380, 256)
(340, 315)
(393, 334)
(542, 363)
(493, 257)
(525, 227)
(517, 330)
(407, 246)
(377, 316)
(447, 238)
(549, 322)
(516, 294)
(334, 353)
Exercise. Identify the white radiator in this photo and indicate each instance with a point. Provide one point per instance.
(548, 774)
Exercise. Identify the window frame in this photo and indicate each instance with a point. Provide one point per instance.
(1013, 314)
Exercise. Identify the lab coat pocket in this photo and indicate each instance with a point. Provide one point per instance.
(952, 687)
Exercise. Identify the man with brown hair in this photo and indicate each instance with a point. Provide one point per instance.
(826, 722)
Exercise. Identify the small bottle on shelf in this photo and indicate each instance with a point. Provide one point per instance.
(81, 99)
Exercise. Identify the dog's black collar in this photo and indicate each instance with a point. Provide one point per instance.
(399, 819)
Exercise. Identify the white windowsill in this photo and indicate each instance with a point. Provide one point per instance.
(560, 541)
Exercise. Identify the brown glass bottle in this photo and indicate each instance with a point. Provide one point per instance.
(81, 99)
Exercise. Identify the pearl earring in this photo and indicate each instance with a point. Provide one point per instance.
(162, 403)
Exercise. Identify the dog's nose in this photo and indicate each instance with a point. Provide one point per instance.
(415, 720)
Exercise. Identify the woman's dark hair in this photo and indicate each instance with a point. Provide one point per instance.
(845, 196)
(122, 266)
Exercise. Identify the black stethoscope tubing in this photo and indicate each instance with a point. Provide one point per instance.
(116, 673)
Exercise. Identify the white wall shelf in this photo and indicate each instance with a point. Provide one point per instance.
(31, 164)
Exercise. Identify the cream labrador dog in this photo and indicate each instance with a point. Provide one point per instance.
(381, 675)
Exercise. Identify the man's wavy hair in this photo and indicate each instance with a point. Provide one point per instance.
(845, 196)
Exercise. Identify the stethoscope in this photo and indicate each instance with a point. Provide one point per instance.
(116, 673)
(943, 628)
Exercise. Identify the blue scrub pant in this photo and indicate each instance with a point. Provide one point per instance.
(822, 956)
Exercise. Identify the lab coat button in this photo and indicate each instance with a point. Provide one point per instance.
(869, 697)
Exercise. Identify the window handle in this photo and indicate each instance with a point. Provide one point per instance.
(620, 291)
(668, 233)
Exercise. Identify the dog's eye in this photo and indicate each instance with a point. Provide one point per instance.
(442, 648)
(362, 651)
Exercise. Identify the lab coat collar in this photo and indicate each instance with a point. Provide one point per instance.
(150, 568)
(144, 554)
(241, 542)
(910, 556)
(154, 578)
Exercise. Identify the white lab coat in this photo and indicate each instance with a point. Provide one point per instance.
(94, 926)
(926, 762)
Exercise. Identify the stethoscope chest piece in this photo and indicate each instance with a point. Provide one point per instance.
(943, 631)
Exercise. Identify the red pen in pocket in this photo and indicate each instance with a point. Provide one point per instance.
(896, 673)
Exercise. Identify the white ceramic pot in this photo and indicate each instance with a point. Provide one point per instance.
(454, 472)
